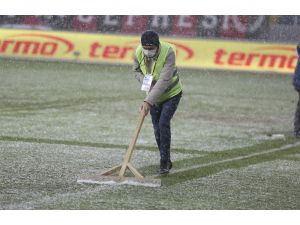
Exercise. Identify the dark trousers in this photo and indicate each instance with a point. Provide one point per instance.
(161, 119)
(297, 116)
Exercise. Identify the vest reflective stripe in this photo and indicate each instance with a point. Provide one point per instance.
(175, 87)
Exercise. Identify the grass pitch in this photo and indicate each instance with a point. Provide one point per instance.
(59, 121)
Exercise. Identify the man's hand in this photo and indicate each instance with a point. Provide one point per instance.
(145, 108)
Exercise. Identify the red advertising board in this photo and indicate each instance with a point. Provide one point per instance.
(134, 24)
(84, 23)
(184, 26)
(234, 27)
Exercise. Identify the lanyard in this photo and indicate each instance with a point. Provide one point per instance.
(153, 67)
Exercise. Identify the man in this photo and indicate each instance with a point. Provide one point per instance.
(155, 68)
(296, 83)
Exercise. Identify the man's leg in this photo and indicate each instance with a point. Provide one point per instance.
(297, 119)
(167, 112)
(155, 112)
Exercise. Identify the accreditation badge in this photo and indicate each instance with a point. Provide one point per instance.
(147, 82)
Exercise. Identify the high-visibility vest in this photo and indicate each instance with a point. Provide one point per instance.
(176, 86)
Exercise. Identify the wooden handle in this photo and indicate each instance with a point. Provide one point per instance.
(132, 144)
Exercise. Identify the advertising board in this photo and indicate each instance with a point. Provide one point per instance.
(120, 49)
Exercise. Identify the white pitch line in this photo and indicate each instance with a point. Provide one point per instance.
(240, 157)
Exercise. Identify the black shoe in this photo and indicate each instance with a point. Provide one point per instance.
(297, 134)
(165, 167)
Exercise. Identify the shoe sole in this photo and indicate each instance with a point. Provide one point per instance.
(162, 173)
(167, 171)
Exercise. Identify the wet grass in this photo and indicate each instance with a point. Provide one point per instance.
(62, 120)
(233, 163)
(90, 144)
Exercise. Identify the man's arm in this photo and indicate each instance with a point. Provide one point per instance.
(137, 70)
(296, 77)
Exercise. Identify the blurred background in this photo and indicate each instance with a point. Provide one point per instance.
(280, 28)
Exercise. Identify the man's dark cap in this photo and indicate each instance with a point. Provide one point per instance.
(149, 38)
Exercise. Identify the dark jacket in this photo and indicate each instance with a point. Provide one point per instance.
(296, 77)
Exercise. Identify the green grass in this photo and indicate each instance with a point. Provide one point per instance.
(62, 120)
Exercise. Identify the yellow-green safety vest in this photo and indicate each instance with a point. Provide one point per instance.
(176, 86)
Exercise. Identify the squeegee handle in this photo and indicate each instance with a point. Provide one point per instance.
(128, 154)
(135, 135)
(134, 138)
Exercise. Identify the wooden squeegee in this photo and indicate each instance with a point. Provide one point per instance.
(106, 176)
